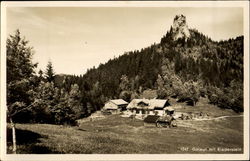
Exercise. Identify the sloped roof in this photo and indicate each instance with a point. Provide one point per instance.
(119, 102)
(166, 118)
(157, 103)
(152, 103)
(134, 103)
(151, 118)
(169, 108)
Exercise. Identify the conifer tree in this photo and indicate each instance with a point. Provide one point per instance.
(50, 74)
(20, 74)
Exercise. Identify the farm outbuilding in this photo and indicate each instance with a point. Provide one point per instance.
(150, 120)
(169, 110)
(115, 106)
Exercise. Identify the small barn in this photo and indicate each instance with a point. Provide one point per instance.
(169, 110)
(115, 106)
(150, 120)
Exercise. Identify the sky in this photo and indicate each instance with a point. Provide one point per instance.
(75, 39)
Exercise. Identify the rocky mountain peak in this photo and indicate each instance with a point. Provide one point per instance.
(180, 28)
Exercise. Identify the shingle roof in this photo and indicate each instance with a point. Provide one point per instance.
(157, 103)
(152, 103)
(134, 103)
(151, 118)
(119, 102)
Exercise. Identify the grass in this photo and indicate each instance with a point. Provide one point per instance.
(117, 135)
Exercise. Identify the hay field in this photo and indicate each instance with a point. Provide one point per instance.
(114, 134)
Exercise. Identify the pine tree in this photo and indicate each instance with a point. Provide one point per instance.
(20, 74)
(40, 73)
(50, 74)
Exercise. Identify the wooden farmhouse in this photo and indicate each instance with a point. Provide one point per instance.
(139, 106)
(115, 106)
(149, 107)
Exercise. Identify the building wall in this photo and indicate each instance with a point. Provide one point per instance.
(147, 112)
(151, 112)
(115, 111)
(160, 112)
(110, 105)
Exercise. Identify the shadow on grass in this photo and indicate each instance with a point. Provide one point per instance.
(38, 149)
(23, 136)
(81, 129)
(27, 142)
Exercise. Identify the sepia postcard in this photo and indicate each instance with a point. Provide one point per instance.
(124, 80)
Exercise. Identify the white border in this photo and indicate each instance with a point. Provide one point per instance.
(126, 4)
(243, 4)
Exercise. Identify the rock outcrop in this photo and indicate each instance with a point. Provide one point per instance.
(180, 29)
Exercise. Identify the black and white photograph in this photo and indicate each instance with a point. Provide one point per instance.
(128, 80)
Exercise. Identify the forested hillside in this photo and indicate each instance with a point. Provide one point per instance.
(185, 68)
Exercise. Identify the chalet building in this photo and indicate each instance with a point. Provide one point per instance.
(139, 106)
(115, 106)
(149, 107)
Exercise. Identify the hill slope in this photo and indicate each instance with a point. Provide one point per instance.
(106, 136)
(186, 64)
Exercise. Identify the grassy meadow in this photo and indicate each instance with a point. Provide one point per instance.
(114, 134)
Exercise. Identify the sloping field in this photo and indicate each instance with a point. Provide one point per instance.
(117, 135)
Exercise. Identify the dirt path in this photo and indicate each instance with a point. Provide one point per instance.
(221, 117)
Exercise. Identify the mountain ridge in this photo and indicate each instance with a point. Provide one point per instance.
(184, 60)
